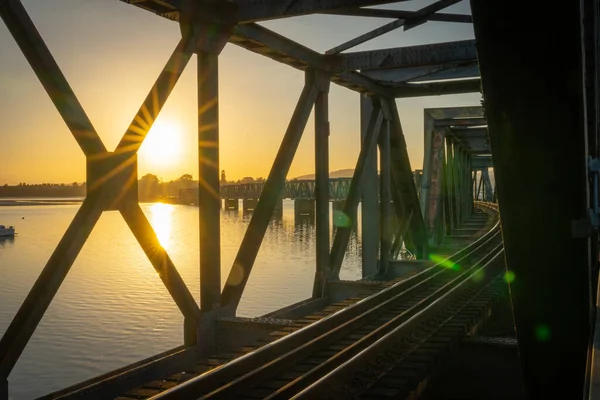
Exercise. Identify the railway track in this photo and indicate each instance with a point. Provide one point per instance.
(398, 332)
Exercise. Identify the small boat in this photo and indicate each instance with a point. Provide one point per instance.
(7, 231)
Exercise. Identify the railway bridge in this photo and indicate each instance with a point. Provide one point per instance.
(499, 300)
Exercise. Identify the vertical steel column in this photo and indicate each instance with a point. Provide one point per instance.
(209, 200)
(432, 190)
(537, 126)
(479, 185)
(487, 185)
(369, 221)
(457, 182)
(450, 181)
(470, 204)
(246, 256)
(446, 227)
(342, 234)
(385, 196)
(322, 190)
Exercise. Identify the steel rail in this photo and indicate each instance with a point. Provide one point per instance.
(274, 356)
(346, 354)
(324, 385)
(296, 354)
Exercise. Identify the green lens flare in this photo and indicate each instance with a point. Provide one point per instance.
(542, 333)
(444, 262)
(341, 220)
(509, 277)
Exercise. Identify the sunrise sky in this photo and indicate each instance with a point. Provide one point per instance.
(112, 52)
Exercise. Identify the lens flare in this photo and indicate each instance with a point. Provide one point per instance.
(444, 262)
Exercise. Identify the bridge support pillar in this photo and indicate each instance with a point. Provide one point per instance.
(3, 388)
(385, 196)
(278, 210)
(231, 204)
(369, 220)
(337, 205)
(321, 189)
(433, 179)
(249, 204)
(536, 122)
(304, 208)
(488, 191)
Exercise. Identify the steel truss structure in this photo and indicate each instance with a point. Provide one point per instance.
(456, 144)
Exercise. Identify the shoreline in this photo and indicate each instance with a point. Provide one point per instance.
(44, 202)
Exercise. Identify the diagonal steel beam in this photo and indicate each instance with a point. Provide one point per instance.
(408, 23)
(306, 56)
(48, 72)
(424, 13)
(400, 14)
(43, 291)
(342, 235)
(157, 97)
(246, 256)
(143, 232)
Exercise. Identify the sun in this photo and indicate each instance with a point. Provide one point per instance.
(162, 146)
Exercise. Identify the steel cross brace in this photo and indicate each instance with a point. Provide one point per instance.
(342, 235)
(316, 82)
(112, 185)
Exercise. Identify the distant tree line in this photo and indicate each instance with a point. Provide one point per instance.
(43, 190)
(150, 187)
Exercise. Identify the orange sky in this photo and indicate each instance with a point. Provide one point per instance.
(112, 52)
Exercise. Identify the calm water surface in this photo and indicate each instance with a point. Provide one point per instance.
(112, 309)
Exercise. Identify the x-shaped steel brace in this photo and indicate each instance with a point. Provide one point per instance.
(111, 183)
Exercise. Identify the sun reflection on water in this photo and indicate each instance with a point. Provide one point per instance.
(161, 220)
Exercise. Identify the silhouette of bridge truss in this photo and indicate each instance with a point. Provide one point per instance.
(379, 76)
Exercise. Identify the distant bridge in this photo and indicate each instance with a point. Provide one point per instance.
(295, 190)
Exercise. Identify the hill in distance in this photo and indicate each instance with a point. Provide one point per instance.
(342, 173)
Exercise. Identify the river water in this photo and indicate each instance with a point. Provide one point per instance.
(112, 309)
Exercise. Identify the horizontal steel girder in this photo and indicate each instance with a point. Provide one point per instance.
(252, 10)
(263, 41)
(401, 14)
(437, 53)
(424, 73)
(475, 140)
(479, 162)
(437, 88)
